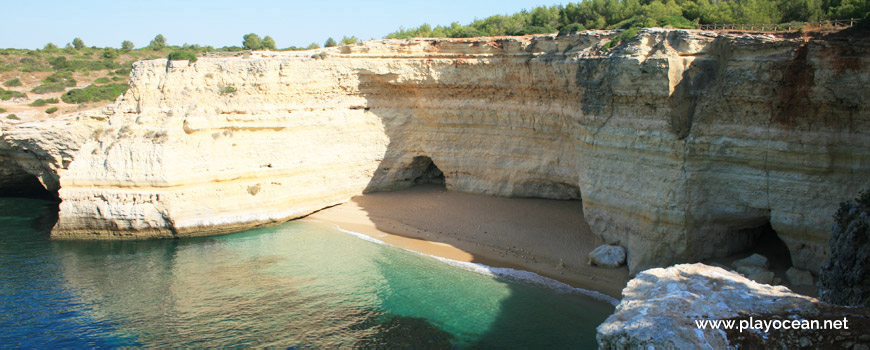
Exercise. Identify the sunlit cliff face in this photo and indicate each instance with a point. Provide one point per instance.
(676, 141)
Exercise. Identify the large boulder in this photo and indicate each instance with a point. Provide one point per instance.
(845, 278)
(662, 307)
(607, 256)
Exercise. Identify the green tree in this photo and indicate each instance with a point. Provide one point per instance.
(127, 45)
(78, 43)
(49, 46)
(329, 43)
(158, 43)
(252, 42)
(268, 43)
(313, 46)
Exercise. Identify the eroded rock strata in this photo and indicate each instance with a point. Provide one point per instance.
(676, 140)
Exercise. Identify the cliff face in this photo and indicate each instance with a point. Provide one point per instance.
(675, 141)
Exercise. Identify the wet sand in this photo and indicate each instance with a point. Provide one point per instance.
(548, 237)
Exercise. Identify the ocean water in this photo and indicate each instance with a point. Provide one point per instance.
(300, 284)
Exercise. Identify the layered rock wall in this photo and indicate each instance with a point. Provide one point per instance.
(675, 140)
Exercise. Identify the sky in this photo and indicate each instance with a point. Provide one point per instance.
(32, 24)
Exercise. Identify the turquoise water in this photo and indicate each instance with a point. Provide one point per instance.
(299, 284)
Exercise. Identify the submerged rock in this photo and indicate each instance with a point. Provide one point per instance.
(607, 256)
(663, 307)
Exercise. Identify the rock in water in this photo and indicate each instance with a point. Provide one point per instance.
(798, 277)
(755, 260)
(607, 256)
(845, 279)
(661, 307)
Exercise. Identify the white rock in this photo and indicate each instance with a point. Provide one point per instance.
(611, 256)
(660, 307)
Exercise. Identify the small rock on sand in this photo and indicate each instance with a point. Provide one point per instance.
(607, 256)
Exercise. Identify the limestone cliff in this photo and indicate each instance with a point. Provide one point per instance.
(675, 140)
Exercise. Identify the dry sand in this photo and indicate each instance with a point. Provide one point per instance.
(549, 237)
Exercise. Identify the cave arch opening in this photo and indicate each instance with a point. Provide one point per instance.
(423, 170)
(15, 184)
(25, 185)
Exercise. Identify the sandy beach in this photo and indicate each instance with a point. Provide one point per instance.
(548, 237)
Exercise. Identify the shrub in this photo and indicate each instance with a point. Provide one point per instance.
(228, 90)
(13, 116)
(571, 28)
(38, 103)
(2, 110)
(110, 53)
(127, 45)
(64, 78)
(679, 22)
(123, 71)
(621, 37)
(349, 40)
(182, 55)
(9, 94)
(102, 80)
(56, 82)
(12, 82)
(51, 110)
(94, 93)
(50, 46)
(78, 43)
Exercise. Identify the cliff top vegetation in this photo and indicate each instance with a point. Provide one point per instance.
(627, 14)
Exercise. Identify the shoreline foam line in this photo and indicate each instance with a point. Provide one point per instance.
(523, 276)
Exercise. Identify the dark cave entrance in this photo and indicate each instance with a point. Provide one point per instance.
(17, 183)
(765, 241)
(25, 185)
(424, 171)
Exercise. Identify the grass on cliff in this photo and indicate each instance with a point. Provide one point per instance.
(94, 93)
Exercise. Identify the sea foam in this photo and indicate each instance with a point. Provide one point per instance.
(510, 274)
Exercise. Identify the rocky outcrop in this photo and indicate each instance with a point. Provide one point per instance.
(33, 156)
(661, 307)
(844, 278)
(670, 308)
(676, 140)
